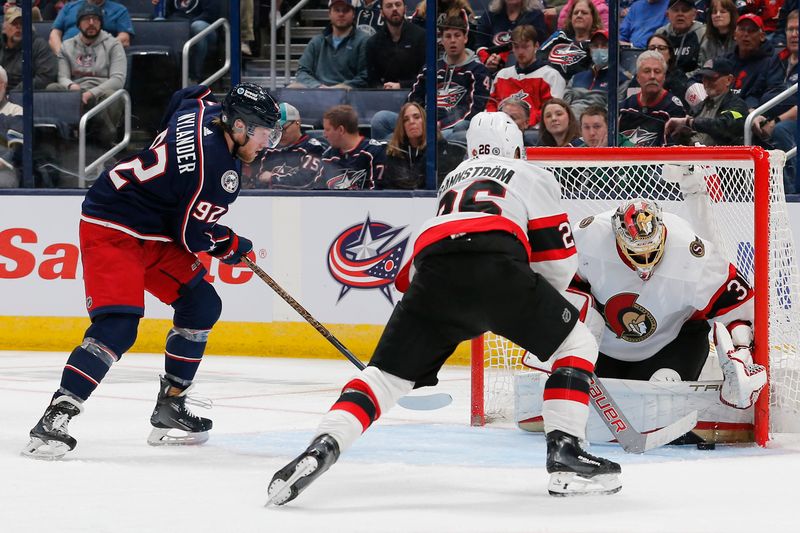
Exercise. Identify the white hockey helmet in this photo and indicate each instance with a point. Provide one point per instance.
(640, 233)
(494, 134)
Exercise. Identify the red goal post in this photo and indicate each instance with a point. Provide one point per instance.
(740, 192)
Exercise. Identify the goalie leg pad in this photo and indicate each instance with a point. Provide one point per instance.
(362, 401)
(742, 380)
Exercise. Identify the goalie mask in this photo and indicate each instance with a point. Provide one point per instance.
(494, 134)
(640, 234)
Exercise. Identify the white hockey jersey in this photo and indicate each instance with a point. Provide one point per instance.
(495, 193)
(693, 281)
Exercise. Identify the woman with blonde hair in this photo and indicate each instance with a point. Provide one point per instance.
(559, 126)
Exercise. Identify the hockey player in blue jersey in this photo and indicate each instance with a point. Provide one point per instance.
(141, 225)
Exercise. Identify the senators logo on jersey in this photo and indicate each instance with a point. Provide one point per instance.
(627, 319)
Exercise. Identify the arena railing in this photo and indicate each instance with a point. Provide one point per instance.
(92, 170)
(202, 35)
(276, 23)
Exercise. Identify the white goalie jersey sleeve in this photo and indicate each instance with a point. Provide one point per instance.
(691, 282)
(500, 194)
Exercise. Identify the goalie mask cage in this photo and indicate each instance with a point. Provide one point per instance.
(732, 196)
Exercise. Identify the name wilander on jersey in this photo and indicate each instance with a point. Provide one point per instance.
(510, 195)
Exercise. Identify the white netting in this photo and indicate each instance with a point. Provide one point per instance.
(717, 197)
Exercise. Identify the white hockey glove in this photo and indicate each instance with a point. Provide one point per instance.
(743, 380)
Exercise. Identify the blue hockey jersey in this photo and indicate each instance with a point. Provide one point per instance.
(176, 190)
(360, 168)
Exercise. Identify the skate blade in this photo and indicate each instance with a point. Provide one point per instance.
(280, 491)
(45, 450)
(571, 484)
(162, 437)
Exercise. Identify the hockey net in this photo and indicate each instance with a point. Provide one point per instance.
(733, 196)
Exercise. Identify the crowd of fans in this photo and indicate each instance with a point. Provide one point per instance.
(700, 68)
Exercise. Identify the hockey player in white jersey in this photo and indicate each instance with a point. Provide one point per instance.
(658, 286)
(495, 257)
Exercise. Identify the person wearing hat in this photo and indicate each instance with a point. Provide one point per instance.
(116, 21)
(751, 58)
(294, 163)
(684, 33)
(94, 63)
(337, 58)
(720, 120)
(45, 66)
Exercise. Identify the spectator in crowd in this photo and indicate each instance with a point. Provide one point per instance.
(675, 80)
(351, 162)
(396, 53)
(447, 9)
(338, 56)
(531, 80)
(520, 112)
(45, 66)
(246, 13)
(567, 50)
(201, 14)
(643, 19)
(600, 5)
(10, 138)
(116, 21)
(369, 17)
(720, 120)
(684, 33)
(642, 116)
(94, 63)
(754, 82)
(560, 127)
(767, 10)
(590, 87)
(405, 154)
(719, 32)
(582, 21)
(779, 37)
(782, 128)
(294, 164)
(594, 126)
(497, 23)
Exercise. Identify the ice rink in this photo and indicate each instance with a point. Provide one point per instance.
(411, 472)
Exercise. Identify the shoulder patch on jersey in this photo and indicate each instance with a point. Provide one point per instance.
(230, 181)
(206, 132)
(677, 101)
(585, 222)
(376, 142)
(314, 141)
(697, 248)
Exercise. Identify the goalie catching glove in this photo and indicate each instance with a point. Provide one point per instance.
(743, 380)
(229, 247)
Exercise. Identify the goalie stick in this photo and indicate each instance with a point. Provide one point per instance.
(415, 403)
(631, 440)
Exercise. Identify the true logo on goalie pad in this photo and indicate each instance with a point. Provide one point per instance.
(627, 319)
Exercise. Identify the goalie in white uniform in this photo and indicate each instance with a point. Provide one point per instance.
(658, 285)
(495, 257)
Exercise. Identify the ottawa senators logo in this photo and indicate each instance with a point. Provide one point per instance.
(627, 319)
(697, 248)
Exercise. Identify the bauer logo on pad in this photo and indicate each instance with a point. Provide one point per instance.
(367, 256)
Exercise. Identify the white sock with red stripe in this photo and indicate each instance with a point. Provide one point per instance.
(364, 398)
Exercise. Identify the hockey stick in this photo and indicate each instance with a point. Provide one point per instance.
(416, 403)
(631, 440)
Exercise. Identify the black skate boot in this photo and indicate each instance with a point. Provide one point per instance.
(293, 478)
(573, 471)
(49, 437)
(171, 413)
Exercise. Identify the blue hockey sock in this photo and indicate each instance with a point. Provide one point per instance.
(183, 353)
(85, 369)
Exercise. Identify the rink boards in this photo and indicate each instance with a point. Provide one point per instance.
(336, 254)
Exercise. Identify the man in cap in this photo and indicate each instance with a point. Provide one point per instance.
(294, 163)
(753, 80)
(116, 21)
(684, 33)
(720, 120)
(45, 66)
(338, 56)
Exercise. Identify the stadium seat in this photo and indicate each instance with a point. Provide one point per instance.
(42, 29)
(56, 110)
(367, 102)
(140, 9)
(312, 103)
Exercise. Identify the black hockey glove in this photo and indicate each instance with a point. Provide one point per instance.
(230, 248)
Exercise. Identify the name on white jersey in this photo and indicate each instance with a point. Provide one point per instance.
(500, 173)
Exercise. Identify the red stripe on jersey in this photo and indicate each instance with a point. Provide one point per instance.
(574, 362)
(552, 255)
(457, 227)
(362, 386)
(727, 289)
(82, 374)
(549, 242)
(552, 221)
(356, 411)
(566, 394)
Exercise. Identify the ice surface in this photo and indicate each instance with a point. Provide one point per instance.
(424, 471)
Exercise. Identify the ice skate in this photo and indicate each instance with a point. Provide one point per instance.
(293, 478)
(574, 472)
(173, 423)
(50, 438)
